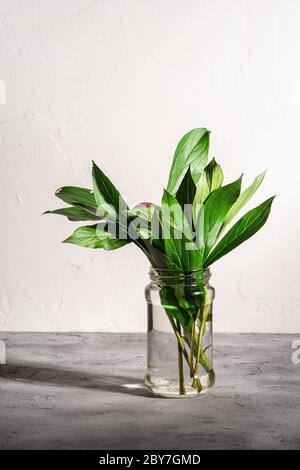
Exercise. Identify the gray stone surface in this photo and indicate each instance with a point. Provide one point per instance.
(84, 391)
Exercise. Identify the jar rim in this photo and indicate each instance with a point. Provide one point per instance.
(168, 276)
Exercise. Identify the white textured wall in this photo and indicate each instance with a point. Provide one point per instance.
(120, 82)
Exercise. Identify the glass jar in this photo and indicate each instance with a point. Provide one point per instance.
(179, 342)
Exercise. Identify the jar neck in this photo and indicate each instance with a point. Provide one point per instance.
(166, 277)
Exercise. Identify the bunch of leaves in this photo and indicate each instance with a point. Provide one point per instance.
(194, 183)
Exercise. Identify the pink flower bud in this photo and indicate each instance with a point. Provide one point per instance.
(143, 204)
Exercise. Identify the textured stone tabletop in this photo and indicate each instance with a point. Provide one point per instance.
(84, 391)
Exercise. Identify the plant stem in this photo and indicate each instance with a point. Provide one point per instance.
(179, 339)
(199, 354)
(196, 381)
(192, 351)
(180, 364)
(202, 330)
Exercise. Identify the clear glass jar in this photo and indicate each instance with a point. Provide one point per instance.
(179, 343)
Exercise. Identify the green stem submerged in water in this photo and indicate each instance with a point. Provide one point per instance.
(182, 390)
(192, 351)
(190, 342)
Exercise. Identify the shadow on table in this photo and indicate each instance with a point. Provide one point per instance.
(44, 374)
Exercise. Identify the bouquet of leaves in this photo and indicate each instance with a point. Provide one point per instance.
(190, 230)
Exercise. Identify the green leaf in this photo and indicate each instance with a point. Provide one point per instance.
(201, 195)
(210, 179)
(107, 196)
(172, 237)
(214, 175)
(179, 247)
(94, 236)
(187, 190)
(152, 248)
(74, 214)
(139, 227)
(145, 213)
(242, 200)
(191, 255)
(216, 207)
(156, 230)
(147, 219)
(202, 190)
(140, 219)
(77, 196)
(156, 258)
(192, 150)
(247, 226)
(149, 214)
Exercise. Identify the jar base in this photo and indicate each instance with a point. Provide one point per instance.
(171, 390)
